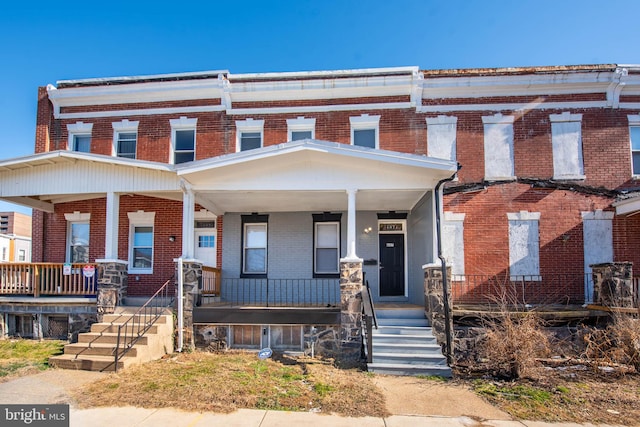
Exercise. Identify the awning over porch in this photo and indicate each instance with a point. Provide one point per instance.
(312, 175)
(628, 205)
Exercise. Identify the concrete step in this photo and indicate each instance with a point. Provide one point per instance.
(97, 349)
(105, 338)
(123, 317)
(402, 339)
(403, 330)
(128, 329)
(410, 359)
(422, 348)
(400, 313)
(89, 363)
(406, 321)
(407, 370)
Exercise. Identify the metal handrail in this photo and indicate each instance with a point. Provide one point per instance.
(141, 321)
(370, 319)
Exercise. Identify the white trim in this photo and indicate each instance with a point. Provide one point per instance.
(565, 117)
(365, 122)
(249, 126)
(498, 118)
(78, 129)
(634, 122)
(76, 216)
(183, 123)
(140, 219)
(598, 214)
(124, 126)
(141, 112)
(321, 108)
(634, 119)
(517, 106)
(325, 74)
(523, 216)
(300, 124)
(453, 216)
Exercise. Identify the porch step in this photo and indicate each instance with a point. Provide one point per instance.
(95, 350)
(404, 344)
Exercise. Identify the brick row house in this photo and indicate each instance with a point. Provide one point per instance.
(277, 180)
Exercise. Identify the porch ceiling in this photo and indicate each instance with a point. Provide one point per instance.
(313, 175)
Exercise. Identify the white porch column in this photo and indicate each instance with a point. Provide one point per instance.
(188, 206)
(351, 226)
(112, 226)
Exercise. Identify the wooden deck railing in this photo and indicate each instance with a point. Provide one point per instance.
(210, 281)
(40, 279)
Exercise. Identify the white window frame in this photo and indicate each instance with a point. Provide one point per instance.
(124, 126)
(249, 126)
(499, 163)
(365, 122)
(141, 219)
(316, 246)
(566, 142)
(245, 247)
(531, 250)
(634, 122)
(441, 137)
(78, 129)
(453, 242)
(76, 218)
(300, 124)
(183, 123)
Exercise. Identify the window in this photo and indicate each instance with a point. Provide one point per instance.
(498, 147)
(22, 255)
(125, 135)
(524, 245)
(364, 130)
(207, 241)
(183, 139)
(77, 237)
(301, 128)
(441, 137)
(249, 134)
(326, 244)
(285, 337)
(634, 136)
(141, 234)
(597, 237)
(453, 241)
(4, 253)
(254, 245)
(566, 141)
(80, 137)
(246, 336)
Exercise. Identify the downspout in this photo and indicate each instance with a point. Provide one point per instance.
(445, 285)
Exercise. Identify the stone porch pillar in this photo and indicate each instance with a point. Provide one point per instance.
(613, 284)
(350, 312)
(191, 279)
(113, 280)
(434, 304)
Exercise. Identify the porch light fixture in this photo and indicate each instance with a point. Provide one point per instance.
(367, 230)
(172, 238)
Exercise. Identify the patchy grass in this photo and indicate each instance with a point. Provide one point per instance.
(549, 395)
(23, 357)
(233, 380)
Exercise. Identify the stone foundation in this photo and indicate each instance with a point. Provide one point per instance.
(113, 280)
(350, 313)
(191, 279)
(613, 284)
(322, 341)
(434, 304)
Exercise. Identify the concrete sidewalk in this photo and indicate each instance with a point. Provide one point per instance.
(53, 386)
(139, 417)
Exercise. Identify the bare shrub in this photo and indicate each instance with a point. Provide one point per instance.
(513, 342)
(618, 343)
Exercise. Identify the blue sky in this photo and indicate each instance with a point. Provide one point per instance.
(42, 42)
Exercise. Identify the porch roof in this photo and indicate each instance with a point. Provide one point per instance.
(41, 180)
(312, 175)
(628, 205)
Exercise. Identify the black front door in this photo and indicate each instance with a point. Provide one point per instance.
(391, 265)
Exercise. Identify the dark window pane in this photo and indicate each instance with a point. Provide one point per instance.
(82, 143)
(185, 139)
(364, 138)
(250, 141)
(298, 135)
(254, 261)
(326, 260)
(636, 163)
(142, 257)
(183, 157)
